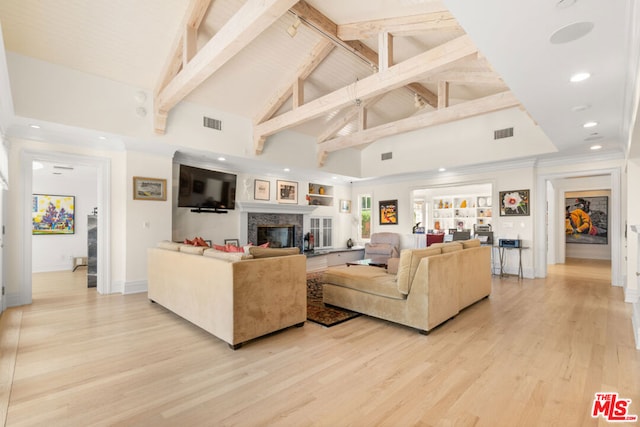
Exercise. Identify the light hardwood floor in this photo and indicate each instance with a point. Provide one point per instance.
(533, 354)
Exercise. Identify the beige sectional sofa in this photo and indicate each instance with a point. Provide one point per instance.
(431, 285)
(232, 296)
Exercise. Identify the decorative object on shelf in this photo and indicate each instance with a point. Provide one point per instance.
(232, 242)
(321, 191)
(149, 188)
(287, 192)
(514, 203)
(53, 214)
(349, 243)
(463, 204)
(388, 212)
(586, 220)
(440, 205)
(415, 227)
(261, 190)
(482, 202)
(345, 206)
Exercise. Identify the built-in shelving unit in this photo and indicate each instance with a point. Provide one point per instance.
(461, 213)
(320, 194)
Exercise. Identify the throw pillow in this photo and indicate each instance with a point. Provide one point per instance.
(264, 245)
(166, 244)
(233, 248)
(220, 247)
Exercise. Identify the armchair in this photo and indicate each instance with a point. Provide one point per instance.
(383, 246)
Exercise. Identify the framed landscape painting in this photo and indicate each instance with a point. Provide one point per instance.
(149, 188)
(53, 214)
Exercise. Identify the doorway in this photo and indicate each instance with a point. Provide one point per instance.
(102, 167)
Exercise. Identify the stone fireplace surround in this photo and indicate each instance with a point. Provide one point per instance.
(253, 214)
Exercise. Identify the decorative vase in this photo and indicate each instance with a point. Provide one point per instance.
(321, 190)
(349, 243)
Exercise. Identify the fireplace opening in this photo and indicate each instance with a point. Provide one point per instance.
(278, 236)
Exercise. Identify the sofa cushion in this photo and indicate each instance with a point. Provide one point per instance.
(364, 278)
(451, 247)
(259, 252)
(227, 256)
(197, 250)
(409, 261)
(472, 243)
(166, 244)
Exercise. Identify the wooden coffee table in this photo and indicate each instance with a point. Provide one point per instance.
(382, 262)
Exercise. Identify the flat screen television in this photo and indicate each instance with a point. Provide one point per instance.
(206, 189)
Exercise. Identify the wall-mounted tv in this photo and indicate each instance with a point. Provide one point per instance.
(206, 189)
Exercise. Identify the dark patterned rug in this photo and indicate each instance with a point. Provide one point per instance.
(317, 311)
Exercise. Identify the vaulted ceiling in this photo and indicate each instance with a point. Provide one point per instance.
(350, 73)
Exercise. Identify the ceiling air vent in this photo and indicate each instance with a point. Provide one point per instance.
(208, 122)
(69, 168)
(503, 133)
(387, 156)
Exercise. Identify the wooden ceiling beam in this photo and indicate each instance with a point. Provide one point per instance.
(182, 50)
(250, 21)
(313, 60)
(431, 61)
(484, 78)
(400, 26)
(340, 121)
(488, 104)
(314, 19)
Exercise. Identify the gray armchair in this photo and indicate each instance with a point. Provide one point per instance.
(383, 246)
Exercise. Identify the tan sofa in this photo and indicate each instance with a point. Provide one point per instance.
(431, 285)
(232, 298)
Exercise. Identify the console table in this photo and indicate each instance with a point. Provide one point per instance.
(503, 258)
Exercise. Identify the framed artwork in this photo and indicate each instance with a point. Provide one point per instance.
(287, 192)
(232, 242)
(389, 212)
(53, 214)
(345, 206)
(149, 188)
(587, 220)
(261, 190)
(514, 203)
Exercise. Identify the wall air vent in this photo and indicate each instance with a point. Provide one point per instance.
(208, 122)
(69, 168)
(503, 133)
(386, 156)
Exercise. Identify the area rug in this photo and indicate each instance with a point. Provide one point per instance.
(317, 311)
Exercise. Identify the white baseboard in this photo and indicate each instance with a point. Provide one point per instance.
(135, 287)
(635, 320)
(631, 295)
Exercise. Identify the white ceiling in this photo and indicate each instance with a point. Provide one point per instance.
(129, 41)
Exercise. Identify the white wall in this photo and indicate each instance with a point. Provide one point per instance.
(520, 178)
(56, 252)
(146, 221)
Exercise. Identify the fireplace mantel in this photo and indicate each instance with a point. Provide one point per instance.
(274, 208)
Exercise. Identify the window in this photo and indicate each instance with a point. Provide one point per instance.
(322, 230)
(365, 216)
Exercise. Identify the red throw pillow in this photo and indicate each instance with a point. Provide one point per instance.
(188, 242)
(233, 248)
(199, 241)
(220, 248)
(264, 245)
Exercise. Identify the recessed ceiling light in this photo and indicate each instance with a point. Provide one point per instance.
(590, 124)
(441, 170)
(34, 126)
(579, 77)
(103, 138)
(595, 147)
(579, 108)
(222, 159)
(565, 3)
(571, 32)
(287, 170)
